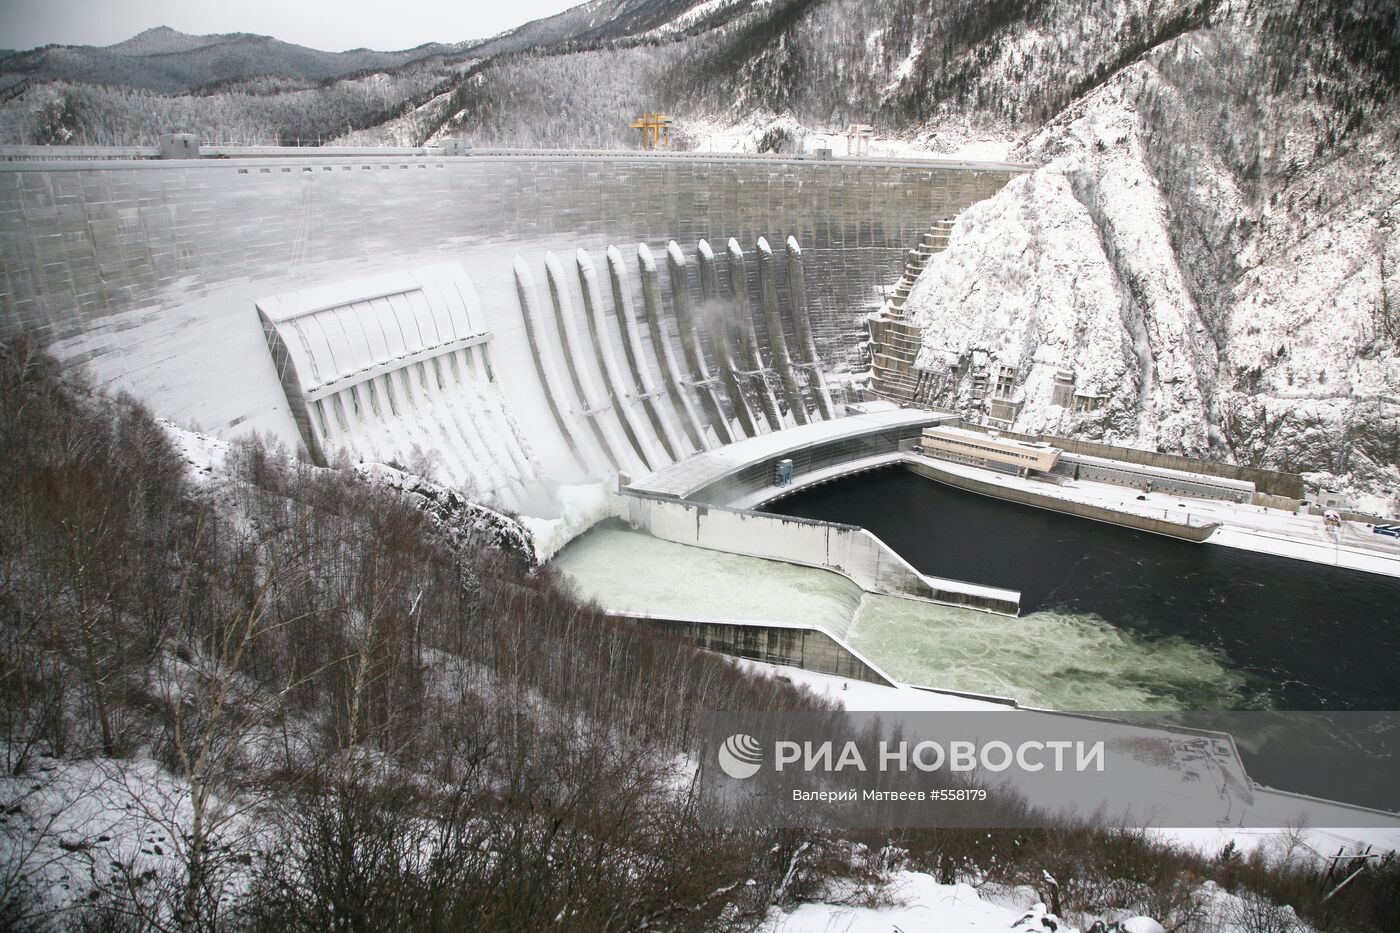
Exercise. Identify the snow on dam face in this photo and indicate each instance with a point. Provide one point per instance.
(523, 318)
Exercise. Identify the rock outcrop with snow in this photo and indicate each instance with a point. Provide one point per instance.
(1199, 271)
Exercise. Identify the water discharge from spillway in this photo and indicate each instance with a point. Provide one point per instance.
(1055, 659)
(628, 571)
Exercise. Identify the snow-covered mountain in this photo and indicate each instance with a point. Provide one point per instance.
(166, 60)
(1207, 255)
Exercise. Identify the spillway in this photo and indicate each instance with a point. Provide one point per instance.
(1223, 626)
(1054, 659)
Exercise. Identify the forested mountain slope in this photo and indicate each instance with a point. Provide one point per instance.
(215, 660)
(165, 60)
(236, 88)
(579, 77)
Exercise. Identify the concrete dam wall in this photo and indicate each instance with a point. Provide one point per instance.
(848, 550)
(527, 317)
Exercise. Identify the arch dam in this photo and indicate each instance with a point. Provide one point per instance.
(530, 319)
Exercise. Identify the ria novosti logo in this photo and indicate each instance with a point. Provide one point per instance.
(740, 756)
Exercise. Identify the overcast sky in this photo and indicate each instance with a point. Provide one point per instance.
(334, 25)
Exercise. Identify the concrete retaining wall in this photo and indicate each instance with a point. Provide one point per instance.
(1134, 475)
(845, 549)
(1194, 533)
(1283, 503)
(1350, 515)
(805, 647)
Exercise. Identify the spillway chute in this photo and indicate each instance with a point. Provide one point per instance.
(378, 366)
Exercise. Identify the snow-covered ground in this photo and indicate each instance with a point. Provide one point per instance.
(725, 136)
(207, 465)
(76, 827)
(921, 904)
(72, 828)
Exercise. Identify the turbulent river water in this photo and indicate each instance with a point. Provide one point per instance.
(1113, 618)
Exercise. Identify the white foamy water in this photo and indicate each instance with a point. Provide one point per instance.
(628, 571)
(1053, 659)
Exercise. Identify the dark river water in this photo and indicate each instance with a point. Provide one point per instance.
(1297, 635)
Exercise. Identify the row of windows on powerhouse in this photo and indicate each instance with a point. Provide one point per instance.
(994, 450)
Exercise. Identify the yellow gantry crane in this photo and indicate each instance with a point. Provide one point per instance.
(656, 130)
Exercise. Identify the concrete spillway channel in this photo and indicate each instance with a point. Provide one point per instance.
(434, 426)
(722, 342)
(472, 404)
(748, 337)
(598, 413)
(397, 362)
(777, 339)
(651, 393)
(806, 345)
(553, 383)
(475, 402)
(690, 343)
(618, 388)
(661, 343)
